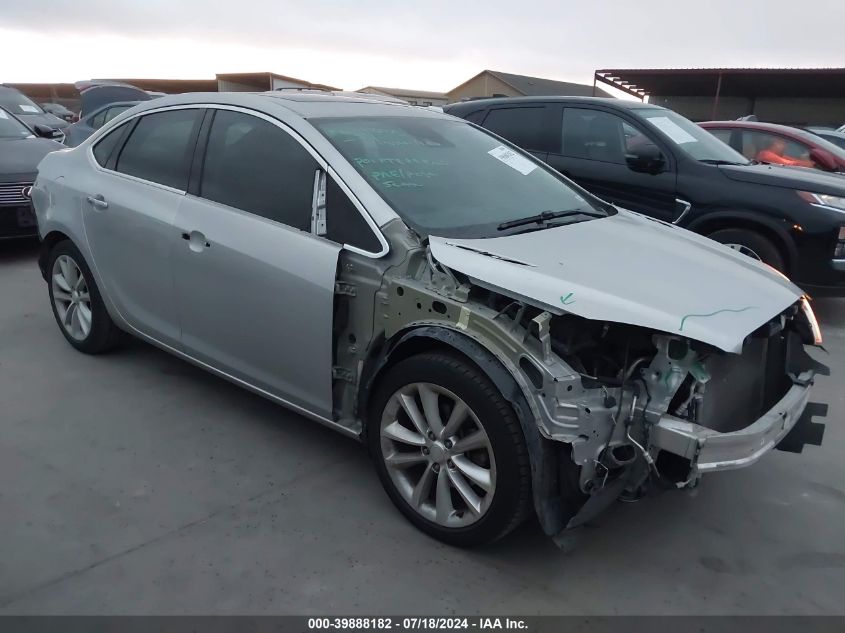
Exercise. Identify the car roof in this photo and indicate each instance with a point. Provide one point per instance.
(606, 101)
(756, 125)
(823, 133)
(306, 104)
(786, 130)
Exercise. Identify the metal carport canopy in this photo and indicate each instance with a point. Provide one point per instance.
(732, 82)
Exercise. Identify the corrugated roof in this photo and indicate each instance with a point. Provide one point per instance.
(738, 82)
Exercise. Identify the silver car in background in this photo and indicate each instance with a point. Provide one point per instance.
(504, 341)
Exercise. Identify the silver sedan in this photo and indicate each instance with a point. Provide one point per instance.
(503, 341)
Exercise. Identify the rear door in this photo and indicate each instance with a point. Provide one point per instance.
(255, 288)
(129, 204)
(525, 125)
(592, 147)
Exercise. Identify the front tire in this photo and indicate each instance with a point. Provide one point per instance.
(77, 304)
(449, 450)
(752, 244)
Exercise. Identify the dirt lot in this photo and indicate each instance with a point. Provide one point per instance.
(135, 483)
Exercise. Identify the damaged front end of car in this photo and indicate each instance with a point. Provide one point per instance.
(608, 408)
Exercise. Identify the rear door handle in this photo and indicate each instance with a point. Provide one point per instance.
(98, 201)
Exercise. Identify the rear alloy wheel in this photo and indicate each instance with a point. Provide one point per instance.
(751, 244)
(449, 449)
(76, 301)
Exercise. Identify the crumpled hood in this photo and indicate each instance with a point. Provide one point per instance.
(801, 178)
(20, 157)
(629, 269)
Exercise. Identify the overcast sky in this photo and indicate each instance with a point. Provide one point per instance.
(422, 44)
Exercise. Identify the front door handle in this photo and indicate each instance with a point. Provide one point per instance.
(98, 201)
(196, 241)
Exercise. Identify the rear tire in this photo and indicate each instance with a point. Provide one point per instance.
(76, 301)
(460, 495)
(752, 244)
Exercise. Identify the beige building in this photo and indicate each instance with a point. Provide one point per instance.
(414, 97)
(494, 83)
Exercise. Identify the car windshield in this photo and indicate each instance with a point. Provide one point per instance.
(18, 103)
(694, 141)
(445, 177)
(11, 128)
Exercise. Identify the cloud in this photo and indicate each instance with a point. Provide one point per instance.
(564, 40)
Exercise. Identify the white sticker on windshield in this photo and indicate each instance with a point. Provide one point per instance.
(672, 129)
(512, 159)
(3, 115)
(28, 108)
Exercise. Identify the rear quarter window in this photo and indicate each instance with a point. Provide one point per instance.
(106, 146)
(521, 126)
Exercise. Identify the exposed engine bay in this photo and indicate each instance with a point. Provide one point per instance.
(608, 408)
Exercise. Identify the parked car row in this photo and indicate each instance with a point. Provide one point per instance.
(20, 153)
(653, 161)
(502, 339)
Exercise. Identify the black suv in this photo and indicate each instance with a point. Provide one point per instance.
(652, 160)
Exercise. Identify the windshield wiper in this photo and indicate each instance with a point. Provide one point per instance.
(717, 161)
(545, 216)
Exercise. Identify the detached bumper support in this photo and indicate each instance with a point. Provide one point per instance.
(711, 451)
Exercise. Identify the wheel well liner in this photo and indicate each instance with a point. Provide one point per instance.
(766, 226)
(543, 453)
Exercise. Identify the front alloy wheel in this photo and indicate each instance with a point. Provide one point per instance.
(438, 455)
(449, 449)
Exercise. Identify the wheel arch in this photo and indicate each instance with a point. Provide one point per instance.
(766, 226)
(542, 452)
(50, 240)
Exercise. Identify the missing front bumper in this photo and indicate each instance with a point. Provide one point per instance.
(711, 451)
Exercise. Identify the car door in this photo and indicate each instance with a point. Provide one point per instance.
(593, 149)
(129, 205)
(254, 286)
(526, 125)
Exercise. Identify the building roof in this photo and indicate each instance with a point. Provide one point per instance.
(405, 92)
(264, 79)
(735, 82)
(539, 87)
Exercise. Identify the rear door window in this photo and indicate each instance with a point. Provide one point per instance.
(598, 135)
(521, 126)
(722, 135)
(161, 147)
(253, 165)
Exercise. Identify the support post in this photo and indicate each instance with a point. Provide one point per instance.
(716, 99)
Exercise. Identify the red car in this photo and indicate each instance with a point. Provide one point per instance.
(778, 144)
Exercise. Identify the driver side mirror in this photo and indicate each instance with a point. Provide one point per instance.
(646, 159)
(824, 159)
(45, 131)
